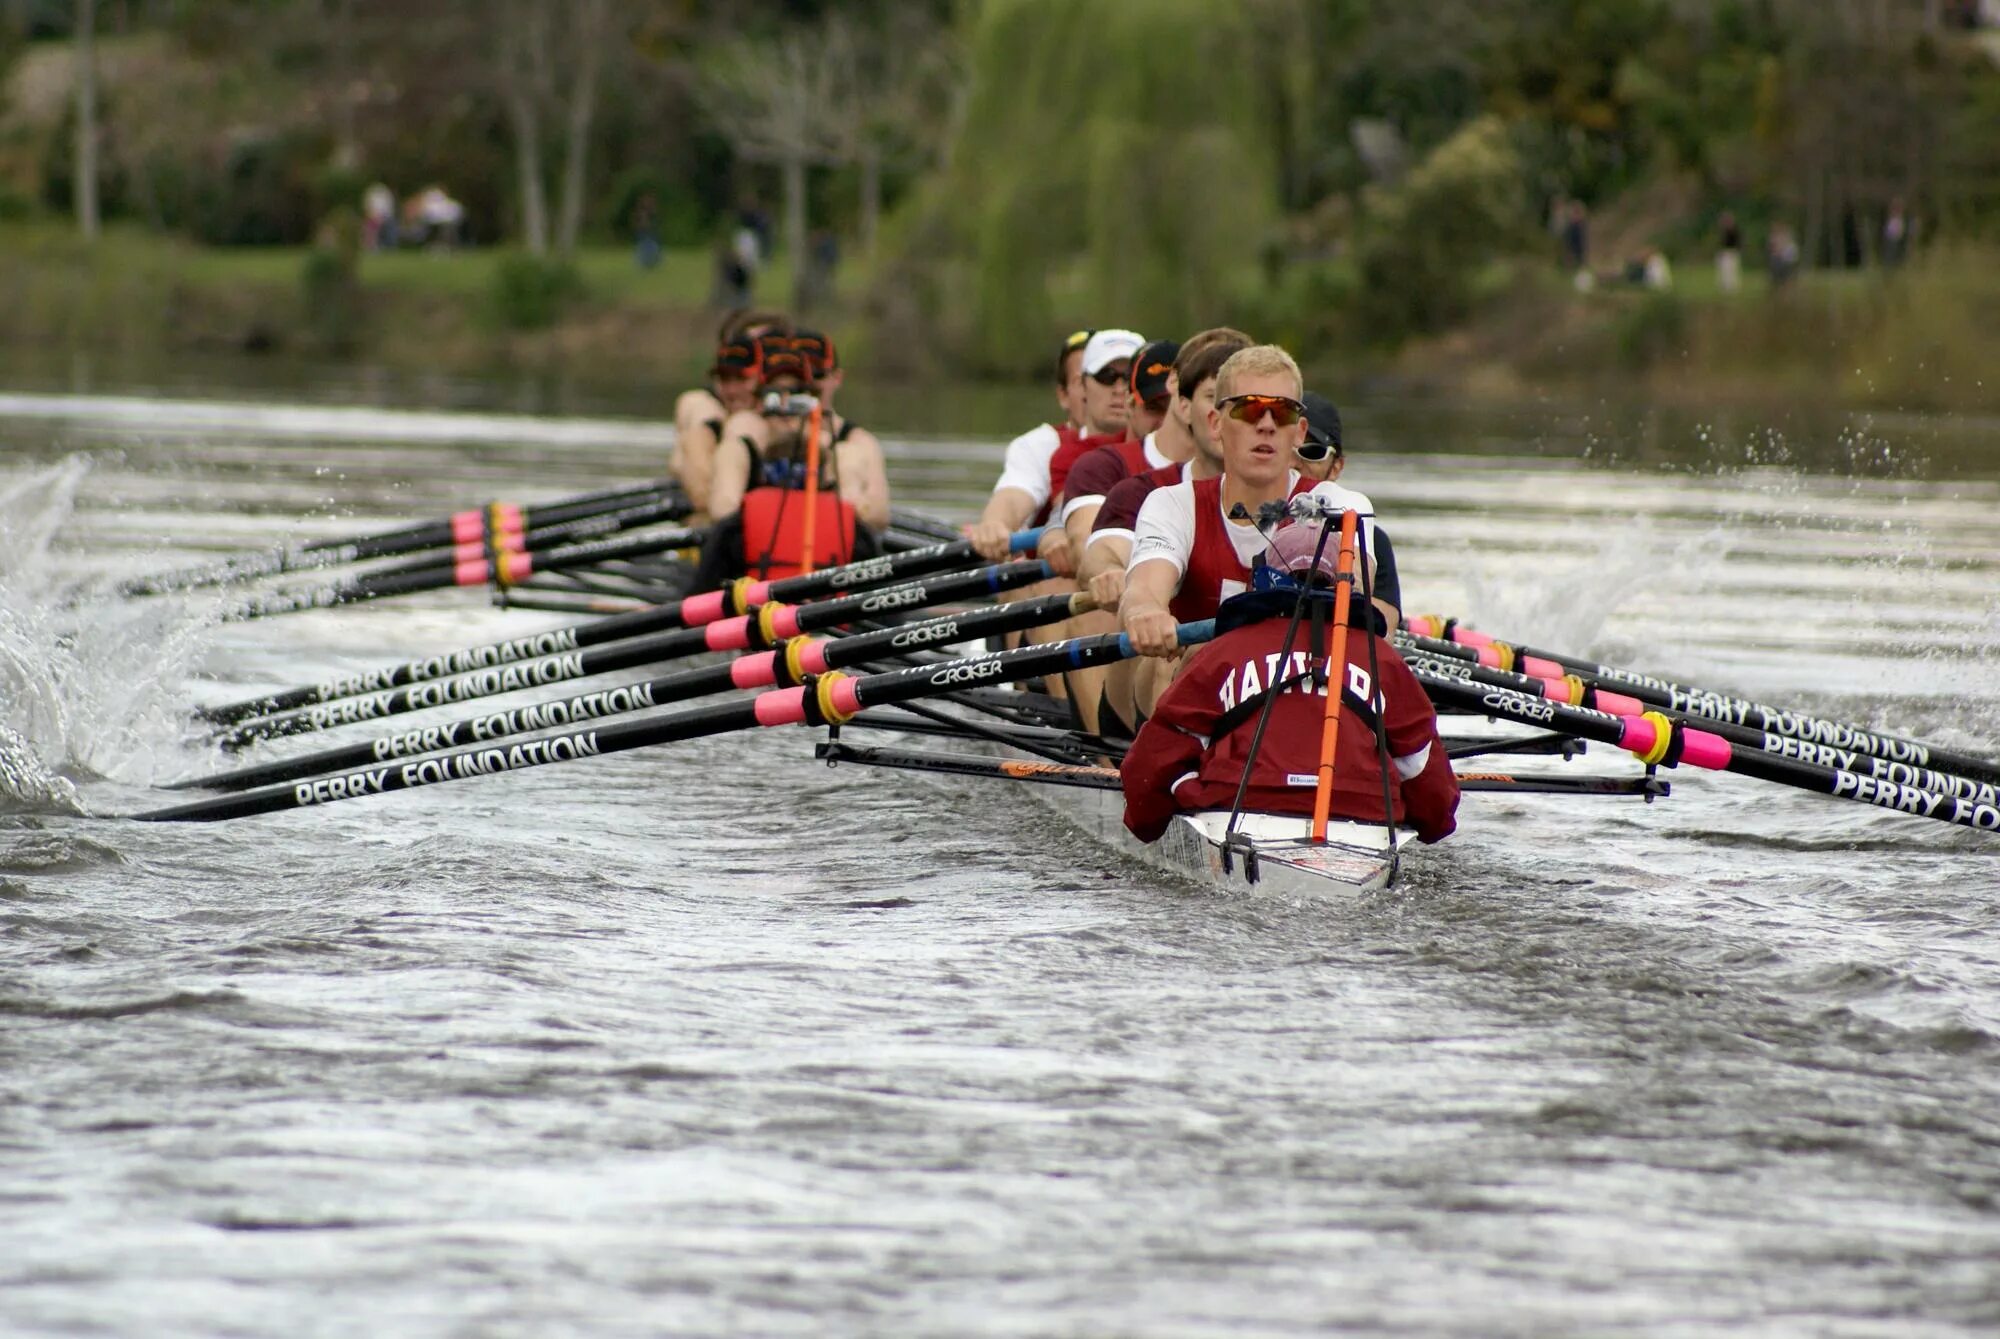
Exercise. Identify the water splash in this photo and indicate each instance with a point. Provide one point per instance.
(1566, 608)
(90, 684)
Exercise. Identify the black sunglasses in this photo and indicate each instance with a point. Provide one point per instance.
(1113, 375)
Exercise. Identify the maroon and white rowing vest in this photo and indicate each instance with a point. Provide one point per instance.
(1213, 572)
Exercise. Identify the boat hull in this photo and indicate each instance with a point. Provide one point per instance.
(1282, 860)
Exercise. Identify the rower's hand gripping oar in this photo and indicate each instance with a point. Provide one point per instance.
(738, 598)
(827, 699)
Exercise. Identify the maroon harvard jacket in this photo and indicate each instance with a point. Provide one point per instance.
(1178, 763)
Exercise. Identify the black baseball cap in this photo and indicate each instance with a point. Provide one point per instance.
(1151, 367)
(1322, 420)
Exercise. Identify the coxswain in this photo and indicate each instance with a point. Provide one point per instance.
(1271, 658)
(823, 366)
(1193, 542)
(699, 414)
(759, 497)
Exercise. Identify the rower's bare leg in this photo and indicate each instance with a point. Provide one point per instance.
(1086, 686)
(1119, 683)
(1152, 674)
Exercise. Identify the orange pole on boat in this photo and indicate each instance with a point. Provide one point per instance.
(1336, 675)
(806, 560)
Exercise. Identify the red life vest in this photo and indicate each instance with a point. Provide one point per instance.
(1074, 446)
(774, 531)
(1213, 572)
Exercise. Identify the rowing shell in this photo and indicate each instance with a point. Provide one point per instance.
(1281, 859)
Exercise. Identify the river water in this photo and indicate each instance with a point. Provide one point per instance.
(712, 1040)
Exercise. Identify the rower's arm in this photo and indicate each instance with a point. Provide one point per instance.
(1143, 612)
(731, 477)
(864, 478)
(1006, 511)
(1102, 571)
(693, 460)
(1078, 522)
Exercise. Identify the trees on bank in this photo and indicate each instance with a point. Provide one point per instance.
(1305, 167)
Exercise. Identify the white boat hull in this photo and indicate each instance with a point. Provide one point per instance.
(1357, 858)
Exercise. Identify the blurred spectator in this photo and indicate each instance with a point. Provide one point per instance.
(443, 217)
(1576, 236)
(646, 230)
(1654, 272)
(1895, 235)
(822, 259)
(378, 218)
(732, 277)
(1782, 254)
(1729, 260)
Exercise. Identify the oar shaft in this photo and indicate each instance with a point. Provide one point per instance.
(785, 665)
(542, 537)
(504, 568)
(1658, 739)
(1463, 643)
(1572, 691)
(471, 524)
(833, 698)
(694, 611)
(744, 633)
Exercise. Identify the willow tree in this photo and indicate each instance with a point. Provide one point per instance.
(1107, 170)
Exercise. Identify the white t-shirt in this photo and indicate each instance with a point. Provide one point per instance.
(1165, 528)
(1027, 463)
(1154, 460)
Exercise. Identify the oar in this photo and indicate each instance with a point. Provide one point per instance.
(916, 523)
(503, 568)
(1657, 739)
(1654, 692)
(694, 611)
(827, 700)
(600, 526)
(1572, 691)
(771, 624)
(836, 751)
(784, 665)
(473, 524)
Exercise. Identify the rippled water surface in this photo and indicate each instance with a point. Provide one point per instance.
(710, 1039)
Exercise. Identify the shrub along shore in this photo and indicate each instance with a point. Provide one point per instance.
(1909, 339)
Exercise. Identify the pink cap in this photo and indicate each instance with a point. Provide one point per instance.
(1542, 669)
(1299, 549)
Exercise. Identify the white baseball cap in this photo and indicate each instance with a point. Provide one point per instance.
(1107, 347)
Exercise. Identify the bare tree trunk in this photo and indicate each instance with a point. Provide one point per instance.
(871, 196)
(523, 69)
(346, 140)
(582, 106)
(795, 227)
(86, 118)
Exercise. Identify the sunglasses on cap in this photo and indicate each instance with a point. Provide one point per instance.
(1077, 340)
(1112, 375)
(1283, 409)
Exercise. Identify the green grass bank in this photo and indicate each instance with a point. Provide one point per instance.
(1914, 338)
